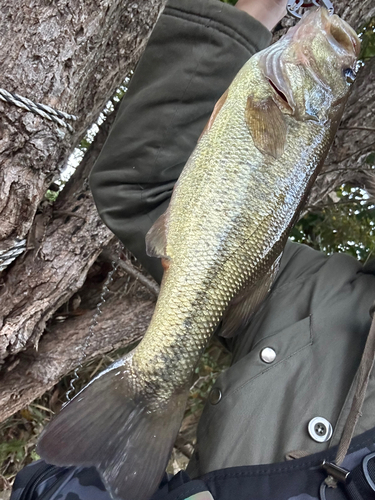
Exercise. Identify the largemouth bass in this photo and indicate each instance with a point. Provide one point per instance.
(220, 240)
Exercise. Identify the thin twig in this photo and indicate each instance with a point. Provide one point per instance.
(97, 368)
(338, 204)
(40, 407)
(133, 271)
(369, 129)
(61, 213)
(355, 171)
(355, 152)
(368, 257)
(200, 379)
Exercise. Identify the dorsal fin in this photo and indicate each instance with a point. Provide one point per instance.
(220, 103)
(156, 239)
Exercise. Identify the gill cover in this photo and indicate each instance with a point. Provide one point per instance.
(307, 65)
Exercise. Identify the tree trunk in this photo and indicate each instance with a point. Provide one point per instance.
(70, 55)
(71, 61)
(45, 277)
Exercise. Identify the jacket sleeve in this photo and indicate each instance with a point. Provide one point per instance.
(194, 52)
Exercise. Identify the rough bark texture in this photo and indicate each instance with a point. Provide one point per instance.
(346, 160)
(122, 322)
(72, 55)
(47, 275)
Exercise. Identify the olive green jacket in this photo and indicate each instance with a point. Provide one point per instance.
(316, 317)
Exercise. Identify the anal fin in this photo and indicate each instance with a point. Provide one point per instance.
(246, 303)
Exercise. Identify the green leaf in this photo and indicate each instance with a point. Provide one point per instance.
(34, 455)
(16, 446)
(370, 160)
(367, 34)
(347, 226)
(51, 195)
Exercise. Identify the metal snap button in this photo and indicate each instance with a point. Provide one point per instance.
(215, 395)
(268, 355)
(320, 429)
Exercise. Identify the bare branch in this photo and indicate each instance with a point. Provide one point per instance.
(360, 150)
(122, 322)
(369, 129)
(128, 267)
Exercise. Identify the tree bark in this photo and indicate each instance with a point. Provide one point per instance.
(46, 276)
(353, 143)
(122, 322)
(70, 55)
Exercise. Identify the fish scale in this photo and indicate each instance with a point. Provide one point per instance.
(220, 241)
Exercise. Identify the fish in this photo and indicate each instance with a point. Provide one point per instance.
(220, 241)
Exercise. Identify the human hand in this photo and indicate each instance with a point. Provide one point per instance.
(267, 12)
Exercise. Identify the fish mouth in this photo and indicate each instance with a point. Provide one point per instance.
(340, 35)
(294, 48)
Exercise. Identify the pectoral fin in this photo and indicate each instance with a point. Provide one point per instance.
(246, 303)
(267, 126)
(156, 239)
(220, 103)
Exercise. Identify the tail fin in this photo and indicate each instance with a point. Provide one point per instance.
(110, 424)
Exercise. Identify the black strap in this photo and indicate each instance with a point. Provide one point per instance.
(364, 372)
(361, 480)
(180, 487)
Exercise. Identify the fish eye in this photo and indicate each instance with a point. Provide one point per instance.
(349, 75)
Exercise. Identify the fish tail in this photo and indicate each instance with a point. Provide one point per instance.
(117, 425)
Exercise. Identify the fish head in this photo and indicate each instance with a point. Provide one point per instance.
(313, 66)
